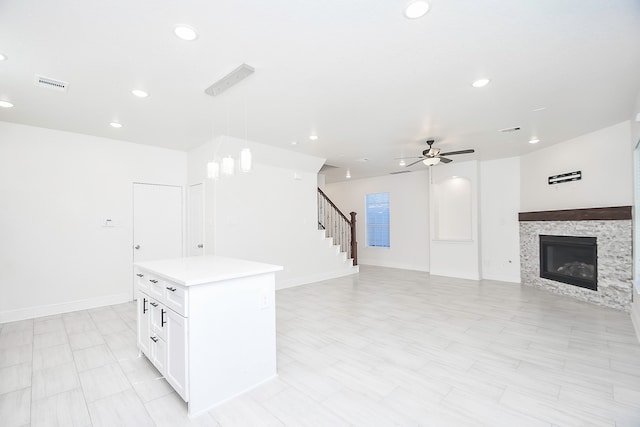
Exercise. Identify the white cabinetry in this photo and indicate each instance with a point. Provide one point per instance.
(161, 331)
(144, 323)
(208, 324)
(176, 373)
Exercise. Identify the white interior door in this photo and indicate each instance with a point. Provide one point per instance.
(157, 222)
(195, 225)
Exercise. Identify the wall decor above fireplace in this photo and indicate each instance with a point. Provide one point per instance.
(565, 177)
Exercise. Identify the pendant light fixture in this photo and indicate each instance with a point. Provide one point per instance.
(213, 170)
(228, 165)
(245, 160)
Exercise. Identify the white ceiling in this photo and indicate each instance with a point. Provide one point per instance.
(371, 83)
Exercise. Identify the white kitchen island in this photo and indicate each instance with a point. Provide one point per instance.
(208, 325)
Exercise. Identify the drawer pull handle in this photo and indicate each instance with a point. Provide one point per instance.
(171, 289)
(139, 274)
(154, 339)
(155, 304)
(144, 305)
(162, 321)
(153, 281)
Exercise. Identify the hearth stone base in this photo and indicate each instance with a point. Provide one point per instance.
(614, 239)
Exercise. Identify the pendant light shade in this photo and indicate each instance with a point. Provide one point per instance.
(245, 160)
(228, 165)
(213, 170)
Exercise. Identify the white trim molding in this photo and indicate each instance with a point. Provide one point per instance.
(52, 309)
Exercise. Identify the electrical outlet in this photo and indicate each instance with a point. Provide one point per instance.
(264, 302)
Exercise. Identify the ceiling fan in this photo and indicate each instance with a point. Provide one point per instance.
(433, 156)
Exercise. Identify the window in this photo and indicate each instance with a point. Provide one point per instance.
(378, 219)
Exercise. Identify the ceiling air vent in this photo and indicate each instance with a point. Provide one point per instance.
(50, 83)
(513, 129)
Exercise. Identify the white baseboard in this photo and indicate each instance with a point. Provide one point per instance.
(298, 281)
(65, 307)
(455, 274)
(499, 278)
(401, 266)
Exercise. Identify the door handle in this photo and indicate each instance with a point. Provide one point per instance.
(200, 246)
(136, 247)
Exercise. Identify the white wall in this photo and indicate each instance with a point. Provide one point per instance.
(268, 215)
(454, 257)
(409, 219)
(499, 228)
(57, 188)
(635, 139)
(604, 157)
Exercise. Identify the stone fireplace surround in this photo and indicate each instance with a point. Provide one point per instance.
(613, 229)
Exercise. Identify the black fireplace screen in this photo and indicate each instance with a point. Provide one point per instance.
(568, 259)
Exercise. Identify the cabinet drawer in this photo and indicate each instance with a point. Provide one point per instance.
(141, 281)
(176, 298)
(156, 287)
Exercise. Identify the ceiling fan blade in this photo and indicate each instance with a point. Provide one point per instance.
(451, 153)
(445, 160)
(417, 161)
(405, 158)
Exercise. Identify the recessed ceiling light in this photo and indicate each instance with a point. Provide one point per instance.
(185, 32)
(348, 175)
(2, 57)
(115, 125)
(294, 142)
(416, 9)
(534, 140)
(139, 93)
(6, 104)
(402, 163)
(539, 109)
(480, 83)
(313, 137)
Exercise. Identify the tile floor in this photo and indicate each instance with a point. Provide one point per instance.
(385, 348)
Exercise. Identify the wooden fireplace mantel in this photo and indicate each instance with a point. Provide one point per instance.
(591, 214)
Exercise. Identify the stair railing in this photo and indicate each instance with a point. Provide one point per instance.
(338, 226)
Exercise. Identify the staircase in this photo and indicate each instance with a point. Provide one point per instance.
(337, 229)
(329, 252)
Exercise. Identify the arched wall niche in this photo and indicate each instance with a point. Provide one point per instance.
(453, 211)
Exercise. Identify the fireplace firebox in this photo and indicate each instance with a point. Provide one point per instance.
(571, 260)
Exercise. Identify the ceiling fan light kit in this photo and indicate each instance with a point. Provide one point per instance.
(433, 156)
